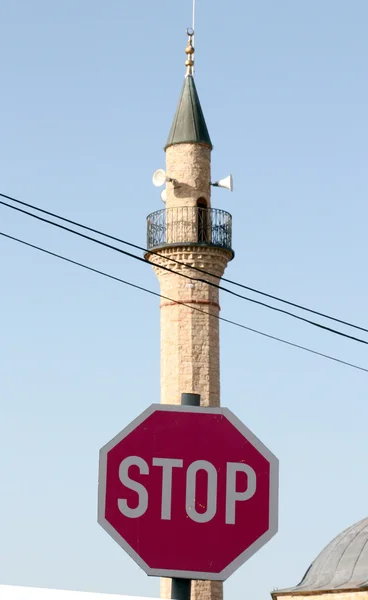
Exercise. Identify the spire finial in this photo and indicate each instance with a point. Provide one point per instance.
(189, 51)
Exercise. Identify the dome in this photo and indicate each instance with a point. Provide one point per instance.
(343, 564)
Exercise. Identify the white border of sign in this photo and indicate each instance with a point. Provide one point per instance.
(274, 492)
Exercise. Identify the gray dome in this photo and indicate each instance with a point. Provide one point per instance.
(343, 564)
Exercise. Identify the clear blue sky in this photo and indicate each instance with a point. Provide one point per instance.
(88, 92)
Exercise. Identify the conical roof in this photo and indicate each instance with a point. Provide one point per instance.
(189, 125)
(343, 564)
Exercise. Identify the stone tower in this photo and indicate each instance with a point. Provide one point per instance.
(189, 231)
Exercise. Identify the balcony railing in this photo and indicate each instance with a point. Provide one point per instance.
(189, 225)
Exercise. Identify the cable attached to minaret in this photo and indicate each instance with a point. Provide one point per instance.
(143, 289)
(179, 273)
(189, 267)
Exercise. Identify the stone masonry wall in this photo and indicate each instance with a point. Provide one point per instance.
(190, 353)
(190, 165)
(190, 349)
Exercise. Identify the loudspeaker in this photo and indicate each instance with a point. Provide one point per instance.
(226, 183)
(160, 177)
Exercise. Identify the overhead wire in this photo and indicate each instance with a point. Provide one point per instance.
(151, 292)
(181, 274)
(191, 267)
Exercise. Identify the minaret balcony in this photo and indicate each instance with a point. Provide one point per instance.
(189, 226)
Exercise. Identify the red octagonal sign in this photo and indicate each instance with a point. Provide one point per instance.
(188, 492)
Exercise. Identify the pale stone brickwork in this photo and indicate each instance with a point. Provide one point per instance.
(190, 360)
(190, 350)
(333, 595)
(190, 353)
(190, 165)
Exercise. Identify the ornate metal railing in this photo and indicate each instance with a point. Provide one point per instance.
(189, 225)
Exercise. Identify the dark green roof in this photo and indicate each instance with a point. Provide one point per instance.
(189, 125)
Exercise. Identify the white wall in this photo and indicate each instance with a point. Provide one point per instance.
(9, 592)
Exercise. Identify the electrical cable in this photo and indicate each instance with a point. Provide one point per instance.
(138, 287)
(196, 279)
(197, 269)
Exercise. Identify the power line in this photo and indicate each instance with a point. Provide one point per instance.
(196, 279)
(202, 271)
(143, 289)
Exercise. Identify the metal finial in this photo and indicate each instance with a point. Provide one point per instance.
(189, 51)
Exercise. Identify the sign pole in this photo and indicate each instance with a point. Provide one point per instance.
(180, 588)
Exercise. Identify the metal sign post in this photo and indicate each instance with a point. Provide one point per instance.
(180, 588)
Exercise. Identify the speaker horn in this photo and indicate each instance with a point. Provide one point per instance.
(226, 183)
(160, 177)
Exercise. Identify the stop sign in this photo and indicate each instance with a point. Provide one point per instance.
(188, 492)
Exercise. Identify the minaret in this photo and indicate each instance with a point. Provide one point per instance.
(188, 230)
